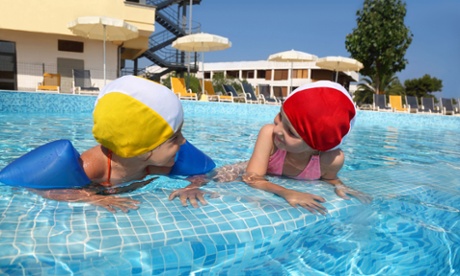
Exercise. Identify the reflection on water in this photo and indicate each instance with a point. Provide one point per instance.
(391, 142)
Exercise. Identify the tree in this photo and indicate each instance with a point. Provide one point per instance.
(364, 93)
(218, 79)
(395, 88)
(422, 86)
(389, 84)
(380, 39)
(194, 84)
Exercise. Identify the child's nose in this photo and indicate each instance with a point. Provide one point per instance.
(278, 130)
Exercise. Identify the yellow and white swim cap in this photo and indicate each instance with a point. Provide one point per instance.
(133, 115)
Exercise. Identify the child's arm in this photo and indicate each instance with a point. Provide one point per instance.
(308, 201)
(93, 162)
(331, 163)
(85, 195)
(192, 192)
(257, 168)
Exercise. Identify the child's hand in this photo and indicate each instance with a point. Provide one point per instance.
(190, 194)
(308, 201)
(343, 190)
(111, 203)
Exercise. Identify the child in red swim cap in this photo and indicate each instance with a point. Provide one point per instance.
(303, 143)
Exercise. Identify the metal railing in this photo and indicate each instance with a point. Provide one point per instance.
(174, 25)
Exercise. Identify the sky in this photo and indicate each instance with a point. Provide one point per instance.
(259, 28)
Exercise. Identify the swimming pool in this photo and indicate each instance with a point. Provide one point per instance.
(409, 163)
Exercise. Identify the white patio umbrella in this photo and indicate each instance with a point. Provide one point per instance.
(338, 63)
(201, 42)
(103, 28)
(292, 56)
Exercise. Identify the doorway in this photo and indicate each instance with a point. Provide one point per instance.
(8, 66)
(65, 67)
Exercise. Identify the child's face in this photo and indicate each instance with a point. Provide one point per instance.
(286, 137)
(165, 153)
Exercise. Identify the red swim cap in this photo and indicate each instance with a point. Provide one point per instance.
(322, 113)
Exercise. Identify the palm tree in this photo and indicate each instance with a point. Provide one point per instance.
(389, 84)
(364, 93)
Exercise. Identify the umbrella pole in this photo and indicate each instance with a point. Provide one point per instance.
(336, 76)
(290, 80)
(104, 54)
(189, 58)
(189, 54)
(202, 62)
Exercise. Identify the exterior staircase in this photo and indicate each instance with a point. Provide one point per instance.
(171, 22)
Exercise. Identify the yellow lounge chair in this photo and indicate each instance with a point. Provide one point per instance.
(51, 83)
(178, 87)
(213, 96)
(396, 103)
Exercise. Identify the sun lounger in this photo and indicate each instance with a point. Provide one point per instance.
(380, 103)
(428, 106)
(278, 93)
(50, 83)
(264, 92)
(250, 94)
(230, 90)
(447, 106)
(457, 105)
(82, 83)
(412, 104)
(215, 96)
(178, 87)
(396, 104)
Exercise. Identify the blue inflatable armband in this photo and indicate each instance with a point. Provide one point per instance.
(191, 161)
(51, 166)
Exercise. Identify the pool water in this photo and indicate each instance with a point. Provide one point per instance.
(409, 163)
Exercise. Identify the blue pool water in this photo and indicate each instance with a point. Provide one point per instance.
(409, 163)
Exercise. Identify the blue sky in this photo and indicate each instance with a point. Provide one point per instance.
(258, 28)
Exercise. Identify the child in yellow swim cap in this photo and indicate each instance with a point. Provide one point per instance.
(138, 124)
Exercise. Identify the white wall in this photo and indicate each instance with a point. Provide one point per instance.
(32, 50)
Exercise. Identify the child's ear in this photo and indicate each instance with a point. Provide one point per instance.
(146, 155)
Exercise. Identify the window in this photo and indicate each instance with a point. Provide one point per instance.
(268, 74)
(233, 74)
(300, 73)
(70, 46)
(281, 74)
(261, 74)
(247, 74)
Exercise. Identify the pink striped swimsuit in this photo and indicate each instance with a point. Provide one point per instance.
(311, 172)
